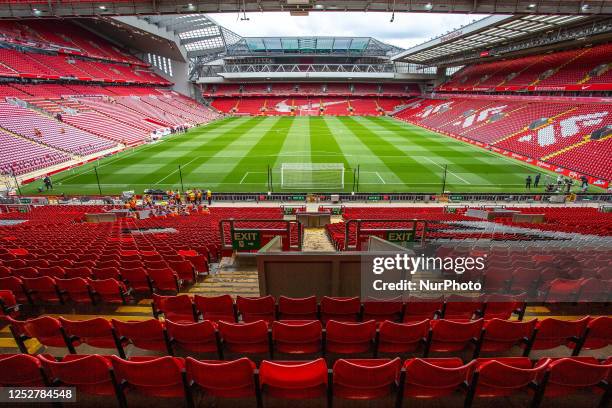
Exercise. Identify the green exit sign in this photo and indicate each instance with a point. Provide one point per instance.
(374, 198)
(401, 237)
(245, 240)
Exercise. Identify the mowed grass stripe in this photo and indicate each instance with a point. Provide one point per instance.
(424, 153)
(264, 152)
(462, 158)
(326, 148)
(405, 168)
(196, 151)
(113, 170)
(296, 147)
(358, 153)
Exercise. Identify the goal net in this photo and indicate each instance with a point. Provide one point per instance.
(312, 176)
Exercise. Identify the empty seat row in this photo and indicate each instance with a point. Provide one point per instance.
(266, 308)
(47, 290)
(370, 379)
(302, 337)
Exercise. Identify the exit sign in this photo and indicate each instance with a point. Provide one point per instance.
(245, 240)
(401, 237)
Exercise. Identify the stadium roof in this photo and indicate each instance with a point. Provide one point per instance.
(312, 45)
(487, 33)
(197, 32)
(84, 8)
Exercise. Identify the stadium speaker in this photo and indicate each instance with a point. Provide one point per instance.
(602, 132)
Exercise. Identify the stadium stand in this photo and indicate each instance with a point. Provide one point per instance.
(552, 132)
(567, 70)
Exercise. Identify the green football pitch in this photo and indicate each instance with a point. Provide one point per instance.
(233, 155)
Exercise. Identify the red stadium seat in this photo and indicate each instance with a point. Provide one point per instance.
(397, 338)
(503, 306)
(42, 289)
(200, 337)
(21, 370)
(365, 379)
(223, 379)
(256, 308)
(90, 374)
(448, 336)
(293, 380)
(462, 307)
(47, 330)
(297, 336)
(176, 308)
(8, 304)
(567, 376)
(249, 338)
(433, 377)
(109, 290)
(97, 332)
(340, 309)
(137, 279)
(164, 280)
(297, 308)
(216, 308)
(598, 334)
(383, 310)
(15, 285)
(551, 333)
(75, 289)
(184, 270)
(501, 335)
(162, 377)
(147, 334)
(350, 337)
(108, 272)
(503, 377)
(419, 309)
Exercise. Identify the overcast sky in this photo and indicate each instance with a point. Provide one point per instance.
(406, 31)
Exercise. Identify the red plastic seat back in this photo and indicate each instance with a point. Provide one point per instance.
(256, 308)
(294, 380)
(228, 379)
(554, 332)
(340, 309)
(152, 376)
(20, 370)
(245, 337)
(90, 373)
(422, 308)
(96, 332)
(215, 308)
(297, 308)
(365, 379)
(455, 331)
(176, 308)
(147, 334)
(349, 337)
(435, 376)
(577, 372)
(197, 337)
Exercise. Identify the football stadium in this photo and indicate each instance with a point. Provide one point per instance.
(306, 203)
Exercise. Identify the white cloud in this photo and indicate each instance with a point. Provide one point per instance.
(407, 30)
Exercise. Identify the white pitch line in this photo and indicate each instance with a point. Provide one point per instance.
(243, 177)
(450, 172)
(182, 167)
(381, 179)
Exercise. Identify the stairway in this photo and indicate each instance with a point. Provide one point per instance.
(316, 240)
(228, 278)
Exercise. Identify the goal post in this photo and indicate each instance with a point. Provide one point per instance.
(312, 176)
